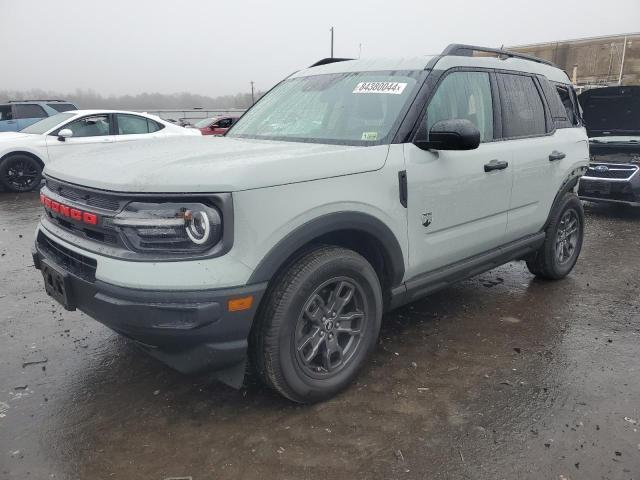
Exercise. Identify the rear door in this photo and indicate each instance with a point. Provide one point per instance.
(27, 113)
(457, 207)
(91, 132)
(540, 151)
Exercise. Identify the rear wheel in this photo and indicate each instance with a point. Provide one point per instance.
(20, 173)
(320, 323)
(565, 232)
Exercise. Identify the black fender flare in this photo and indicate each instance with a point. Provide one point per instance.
(569, 184)
(327, 224)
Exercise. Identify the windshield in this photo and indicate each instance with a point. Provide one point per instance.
(204, 122)
(345, 108)
(47, 124)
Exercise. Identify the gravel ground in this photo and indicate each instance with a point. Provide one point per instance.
(500, 377)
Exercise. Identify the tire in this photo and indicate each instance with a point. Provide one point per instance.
(565, 233)
(300, 348)
(20, 173)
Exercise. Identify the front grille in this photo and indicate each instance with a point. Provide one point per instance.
(79, 265)
(621, 191)
(97, 234)
(611, 171)
(83, 196)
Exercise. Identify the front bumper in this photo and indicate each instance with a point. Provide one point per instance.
(611, 190)
(188, 330)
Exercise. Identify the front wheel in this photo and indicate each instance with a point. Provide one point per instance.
(565, 233)
(20, 173)
(320, 323)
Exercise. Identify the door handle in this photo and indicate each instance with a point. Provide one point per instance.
(556, 155)
(495, 165)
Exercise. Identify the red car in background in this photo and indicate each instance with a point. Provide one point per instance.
(215, 125)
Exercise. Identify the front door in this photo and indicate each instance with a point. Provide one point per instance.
(92, 132)
(457, 202)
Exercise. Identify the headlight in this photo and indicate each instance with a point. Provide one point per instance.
(169, 227)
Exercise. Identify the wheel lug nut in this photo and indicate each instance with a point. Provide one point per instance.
(337, 324)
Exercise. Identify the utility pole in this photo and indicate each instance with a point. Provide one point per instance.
(253, 100)
(624, 51)
(331, 30)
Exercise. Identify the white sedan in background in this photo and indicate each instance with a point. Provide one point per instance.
(23, 154)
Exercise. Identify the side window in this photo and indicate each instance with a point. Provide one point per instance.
(28, 110)
(224, 123)
(568, 102)
(463, 95)
(93, 126)
(522, 107)
(559, 114)
(5, 112)
(154, 126)
(132, 124)
(62, 107)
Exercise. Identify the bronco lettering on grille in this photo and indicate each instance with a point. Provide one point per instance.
(68, 212)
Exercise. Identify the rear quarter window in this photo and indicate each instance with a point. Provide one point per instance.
(61, 107)
(522, 108)
(559, 113)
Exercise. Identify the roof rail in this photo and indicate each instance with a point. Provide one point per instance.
(325, 61)
(467, 51)
(37, 100)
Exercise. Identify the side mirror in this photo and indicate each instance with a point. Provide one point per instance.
(457, 134)
(64, 134)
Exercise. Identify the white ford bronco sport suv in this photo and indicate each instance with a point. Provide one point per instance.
(351, 188)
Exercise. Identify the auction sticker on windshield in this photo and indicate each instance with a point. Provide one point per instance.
(394, 88)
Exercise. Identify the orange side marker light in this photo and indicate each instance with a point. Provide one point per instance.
(240, 303)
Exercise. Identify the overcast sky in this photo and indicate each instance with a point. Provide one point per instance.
(217, 47)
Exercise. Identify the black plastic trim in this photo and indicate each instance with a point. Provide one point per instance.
(402, 187)
(326, 61)
(188, 330)
(333, 222)
(429, 282)
(462, 50)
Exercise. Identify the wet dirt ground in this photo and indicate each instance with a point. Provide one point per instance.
(500, 377)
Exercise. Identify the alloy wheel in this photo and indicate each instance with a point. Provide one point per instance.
(330, 327)
(20, 174)
(567, 236)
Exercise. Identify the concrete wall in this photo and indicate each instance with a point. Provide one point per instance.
(598, 59)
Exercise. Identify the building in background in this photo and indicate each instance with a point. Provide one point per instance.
(593, 62)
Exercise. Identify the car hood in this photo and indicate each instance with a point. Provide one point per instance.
(13, 136)
(611, 111)
(211, 164)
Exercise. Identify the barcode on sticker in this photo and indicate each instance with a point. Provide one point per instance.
(393, 88)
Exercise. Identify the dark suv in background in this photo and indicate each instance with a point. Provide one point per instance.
(612, 117)
(18, 114)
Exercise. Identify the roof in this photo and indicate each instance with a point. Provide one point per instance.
(99, 111)
(453, 56)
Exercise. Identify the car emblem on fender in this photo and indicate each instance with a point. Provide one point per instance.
(601, 168)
